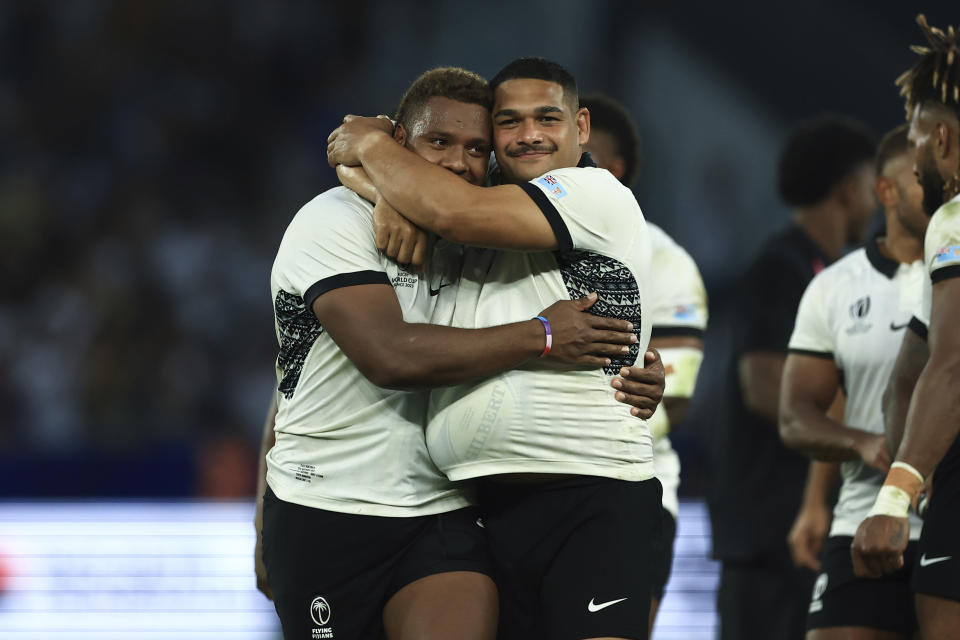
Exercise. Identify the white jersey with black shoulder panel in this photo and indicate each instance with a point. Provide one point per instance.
(342, 443)
(543, 417)
(854, 313)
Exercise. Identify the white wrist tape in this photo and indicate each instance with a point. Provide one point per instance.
(891, 501)
(681, 365)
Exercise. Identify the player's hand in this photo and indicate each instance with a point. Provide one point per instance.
(641, 387)
(583, 338)
(872, 449)
(807, 534)
(398, 238)
(343, 145)
(259, 568)
(878, 546)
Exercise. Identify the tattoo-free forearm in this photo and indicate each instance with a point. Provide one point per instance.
(909, 365)
(933, 421)
(426, 356)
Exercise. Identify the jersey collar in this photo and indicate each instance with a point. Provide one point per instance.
(586, 160)
(883, 264)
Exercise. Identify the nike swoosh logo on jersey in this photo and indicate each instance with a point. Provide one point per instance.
(926, 562)
(434, 292)
(593, 608)
(897, 327)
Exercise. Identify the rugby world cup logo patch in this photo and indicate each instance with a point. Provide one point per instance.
(858, 312)
(320, 611)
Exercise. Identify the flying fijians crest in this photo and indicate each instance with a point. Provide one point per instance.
(320, 614)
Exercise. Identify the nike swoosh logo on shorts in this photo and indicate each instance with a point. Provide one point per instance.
(436, 291)
(897, 327)
(592, 608)
(926, 562)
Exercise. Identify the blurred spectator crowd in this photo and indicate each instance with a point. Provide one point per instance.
(151, 154)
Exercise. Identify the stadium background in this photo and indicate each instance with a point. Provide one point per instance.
(152, 152)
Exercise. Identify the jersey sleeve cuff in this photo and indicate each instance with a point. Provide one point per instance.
(564, 242)
(918, 328)
(827, 355)
(343, 280)
(945, 273)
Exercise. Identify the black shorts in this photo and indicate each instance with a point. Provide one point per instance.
(937, 568)
(763, 597)
(334, 572)
(574, 558)
(663, 553)
(841, 599)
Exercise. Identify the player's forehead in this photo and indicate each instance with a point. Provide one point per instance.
(899, 163)
(525, 95)
(441, 115)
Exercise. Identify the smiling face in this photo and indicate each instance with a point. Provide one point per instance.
(536, 128)
(452, 134)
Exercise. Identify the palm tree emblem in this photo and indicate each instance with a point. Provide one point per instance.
(320, 611)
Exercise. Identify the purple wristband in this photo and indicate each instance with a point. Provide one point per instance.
(546, 327)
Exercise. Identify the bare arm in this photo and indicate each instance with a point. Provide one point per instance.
(810, 385)
(812, 524)
(435, 199)
(933, 420)
(266, 443)
(760, 374)
(911, 359)
(367, 324)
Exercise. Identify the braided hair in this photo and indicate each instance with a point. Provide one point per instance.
(936, 75)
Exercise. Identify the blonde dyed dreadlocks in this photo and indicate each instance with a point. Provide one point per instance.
(936, 75)
(935, 78)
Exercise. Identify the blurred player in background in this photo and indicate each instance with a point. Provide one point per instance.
(849, 326)
(826, 173)
(931, 439)
(678, 312)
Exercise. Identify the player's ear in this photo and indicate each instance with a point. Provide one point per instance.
(887, 192)
(583, 125)
(400, 134)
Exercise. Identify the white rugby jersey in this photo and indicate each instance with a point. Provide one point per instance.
(854, 312)
(941, 249)
(543, 417)
(678, 307)
(343, 443)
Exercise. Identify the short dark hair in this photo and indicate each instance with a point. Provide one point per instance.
(538, 69)
(893, 144)
(818, 155)
(606, 114)
(443, 82)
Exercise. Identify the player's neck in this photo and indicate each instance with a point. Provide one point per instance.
(899, 244)
(825, 224)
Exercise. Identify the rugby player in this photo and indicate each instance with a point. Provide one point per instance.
(931, 439)
(569, 501)
(848, 328)
(678, 313)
